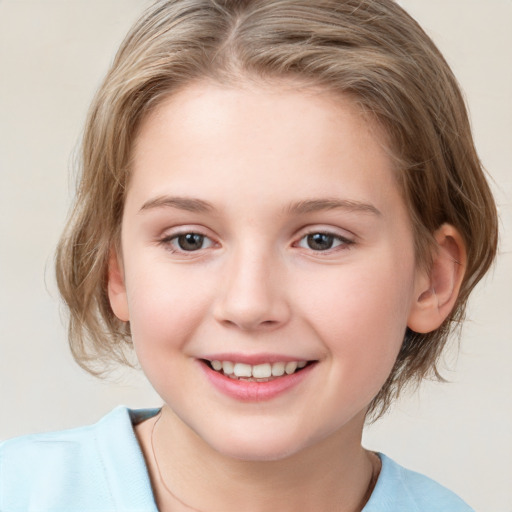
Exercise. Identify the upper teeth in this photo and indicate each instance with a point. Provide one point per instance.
(257, 371)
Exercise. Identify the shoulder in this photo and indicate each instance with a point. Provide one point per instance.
(401, 490)
(77, 469)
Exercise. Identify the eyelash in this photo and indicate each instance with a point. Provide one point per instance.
(168, 242)
(344, 242)
(338, 242)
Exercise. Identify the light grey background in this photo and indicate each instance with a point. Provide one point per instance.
(53, 54)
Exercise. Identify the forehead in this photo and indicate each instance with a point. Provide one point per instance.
(260, 140)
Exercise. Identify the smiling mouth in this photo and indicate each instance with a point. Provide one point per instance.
(264, 372)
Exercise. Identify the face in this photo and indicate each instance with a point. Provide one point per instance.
(268, 269)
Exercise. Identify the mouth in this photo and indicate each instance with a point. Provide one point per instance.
(264, 372)
(263, 380)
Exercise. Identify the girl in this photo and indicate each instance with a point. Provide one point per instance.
(282, 210)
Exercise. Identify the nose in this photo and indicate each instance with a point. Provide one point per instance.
(253, 293)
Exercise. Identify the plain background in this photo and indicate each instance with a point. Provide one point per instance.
(53, 54)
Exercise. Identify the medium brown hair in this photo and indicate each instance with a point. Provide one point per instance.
(371, 50)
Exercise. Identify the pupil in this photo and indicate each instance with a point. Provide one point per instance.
(190, 241)
(320, 241)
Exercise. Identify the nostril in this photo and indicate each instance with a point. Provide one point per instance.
(250, 324)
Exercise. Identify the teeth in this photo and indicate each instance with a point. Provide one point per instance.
(290, 367)
(278, 369)
(262, 372)
(227, 367)
(242, 370)
(217, 365)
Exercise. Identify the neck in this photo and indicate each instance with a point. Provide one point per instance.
(188, 474)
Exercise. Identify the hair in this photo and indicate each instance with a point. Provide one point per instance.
(371, 50)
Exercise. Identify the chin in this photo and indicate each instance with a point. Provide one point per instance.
(261, 452)
(259, 444)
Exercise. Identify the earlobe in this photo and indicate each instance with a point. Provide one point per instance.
(436, 291)
(116, 288)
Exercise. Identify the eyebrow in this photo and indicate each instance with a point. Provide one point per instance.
(315, 205)
(301, 207)
(181, 203)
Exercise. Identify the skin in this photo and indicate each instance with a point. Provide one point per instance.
(257, 286)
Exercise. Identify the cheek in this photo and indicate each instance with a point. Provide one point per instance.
(165, 308)
(165, 311)
(361, 315)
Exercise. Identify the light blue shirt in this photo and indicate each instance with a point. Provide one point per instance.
(100, 468)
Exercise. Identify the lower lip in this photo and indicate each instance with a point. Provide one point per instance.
(248, 391)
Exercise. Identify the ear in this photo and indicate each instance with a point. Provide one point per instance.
(116, 288)
(436, 291)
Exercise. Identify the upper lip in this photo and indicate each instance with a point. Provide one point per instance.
(253, 359)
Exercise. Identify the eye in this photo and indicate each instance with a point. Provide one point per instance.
(322, 241)
(188, 242)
